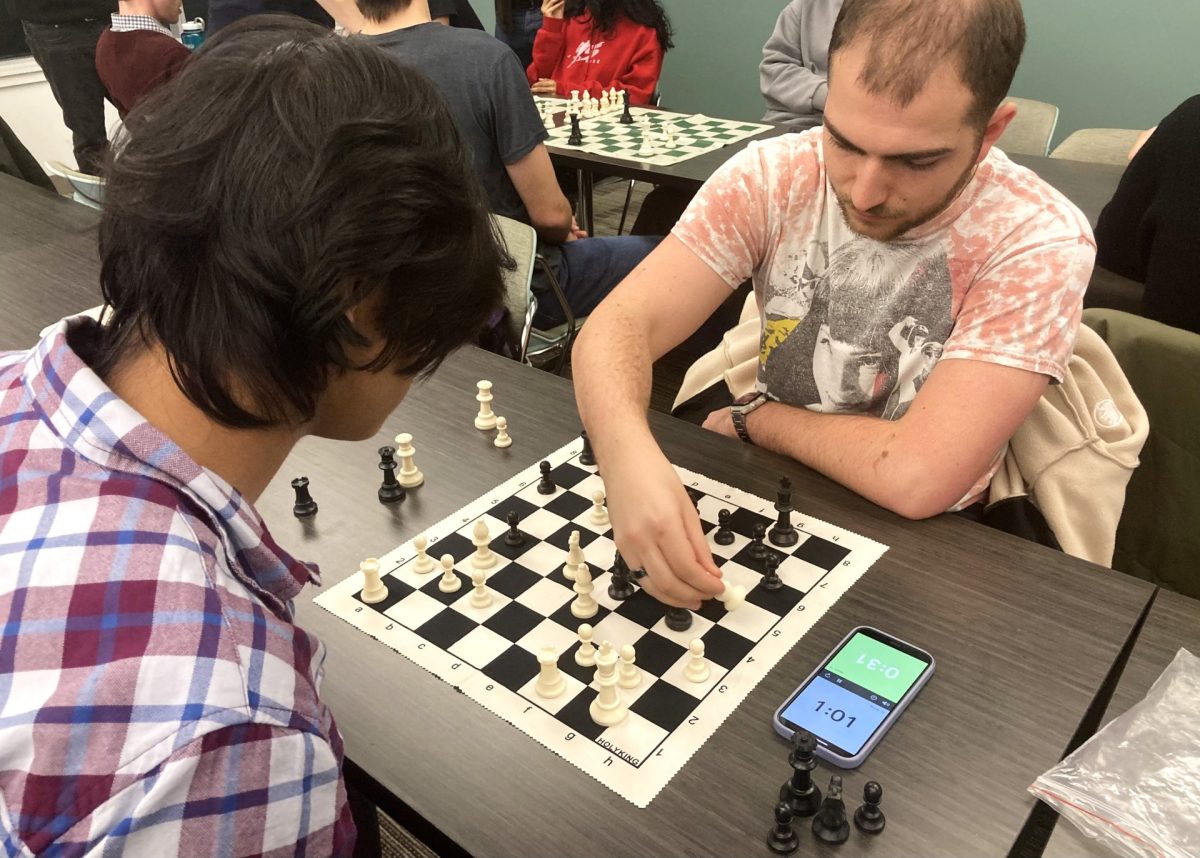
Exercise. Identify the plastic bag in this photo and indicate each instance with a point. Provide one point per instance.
(1135, 785)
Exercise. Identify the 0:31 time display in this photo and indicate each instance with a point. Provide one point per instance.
(837, 716)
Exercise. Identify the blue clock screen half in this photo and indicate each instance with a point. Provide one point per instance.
(839, 715)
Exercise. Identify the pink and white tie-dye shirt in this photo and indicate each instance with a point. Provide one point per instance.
(851, 324)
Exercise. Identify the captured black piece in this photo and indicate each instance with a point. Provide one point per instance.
(801, 795)
(830, 823)
(390, 491)
(783, 840)
(305, 505)
(869, 818)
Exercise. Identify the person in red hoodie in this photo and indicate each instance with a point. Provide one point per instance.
(594, 45)
(137, 52)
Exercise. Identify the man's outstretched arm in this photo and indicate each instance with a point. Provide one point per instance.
(664, 300)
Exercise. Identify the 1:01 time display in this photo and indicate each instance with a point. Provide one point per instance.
(837, 715)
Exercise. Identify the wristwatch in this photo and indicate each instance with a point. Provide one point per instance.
(742, 406)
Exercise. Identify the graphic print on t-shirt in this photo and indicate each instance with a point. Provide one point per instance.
(858, 330)
(585, 52)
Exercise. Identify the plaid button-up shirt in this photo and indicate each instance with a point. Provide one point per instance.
(155, 696)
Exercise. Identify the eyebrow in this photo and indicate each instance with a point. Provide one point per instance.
(903, 156)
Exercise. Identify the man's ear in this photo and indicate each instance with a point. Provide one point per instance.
(996, 126)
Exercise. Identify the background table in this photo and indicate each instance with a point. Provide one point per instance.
(1173, 622)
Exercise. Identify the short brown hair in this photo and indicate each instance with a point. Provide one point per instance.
(909, 39)
(379, 10)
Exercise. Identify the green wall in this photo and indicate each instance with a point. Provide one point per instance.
(1105, 63)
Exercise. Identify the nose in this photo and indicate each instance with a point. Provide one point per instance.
(870, 185)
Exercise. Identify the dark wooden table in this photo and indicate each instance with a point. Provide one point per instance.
(1025, 638)
(1173, 622)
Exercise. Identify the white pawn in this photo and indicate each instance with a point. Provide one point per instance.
(599, 513)
(585, 656)
(485, 420)
(697, 668)
(629, 675)
(606, 708)
(604, 106)
(481, 596)
(450, 582)
(410, 475)
(584, 606)
(484, 557)
(733, 596)
(424, 563)
(502, 438)
(373, 590)
(550, 680)
(575, 558)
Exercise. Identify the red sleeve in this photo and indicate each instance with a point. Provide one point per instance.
(547, 50)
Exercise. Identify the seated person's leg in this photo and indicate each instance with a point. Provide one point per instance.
(589, 269)
(660, 210)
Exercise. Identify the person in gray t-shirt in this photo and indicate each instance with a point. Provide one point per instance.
(795, 65)
(489, 98)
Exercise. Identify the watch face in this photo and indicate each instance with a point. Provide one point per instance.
(747, 398)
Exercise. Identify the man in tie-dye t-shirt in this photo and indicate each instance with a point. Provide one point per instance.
(917, 290)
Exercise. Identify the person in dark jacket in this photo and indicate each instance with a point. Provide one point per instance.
(1150, 229)
(62, 37)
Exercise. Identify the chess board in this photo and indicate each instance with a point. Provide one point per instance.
(605, 135)
(490, 654)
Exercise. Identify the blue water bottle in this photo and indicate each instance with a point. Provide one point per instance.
(193, 34)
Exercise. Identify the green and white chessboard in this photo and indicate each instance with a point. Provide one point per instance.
(694, 135)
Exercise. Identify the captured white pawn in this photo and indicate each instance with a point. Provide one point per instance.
(629, 675)
(374, 590)
(424, 564)
(409, 475)
(449, 583)
(607, 709)
(599, 512)
(550, 681)
(485, 420)
(584, 606)
(502, 438)
(481, 596)
(733, 596)
(484, 557)
(697, 668)
(575, 558)
(585, 656)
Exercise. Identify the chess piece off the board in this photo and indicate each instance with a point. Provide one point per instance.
(830, 825)
(485, 420)
(390, 490)
(305, 505)
(410, 475)
(502, 437)
(799, 792)
(783, 840)
(869, 818)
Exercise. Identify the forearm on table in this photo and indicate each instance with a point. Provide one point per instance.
(882, 460)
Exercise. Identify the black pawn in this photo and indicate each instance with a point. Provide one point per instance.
(783, 533)
(576, 138)
(783, 839)
(758, 551)
(620, 586)
(626, 115)
(830, 823)
(723, 536)
(391, 490)
(679, 619)
(770, 579)
(801, 795)
(514, 538)
(587, 457)
(305, 505)
(545, 485)
(869, 818)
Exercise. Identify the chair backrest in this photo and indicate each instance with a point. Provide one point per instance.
(1158, 538)
(88, 189)
(520, 240)
(1098, 145)
(1031, 129)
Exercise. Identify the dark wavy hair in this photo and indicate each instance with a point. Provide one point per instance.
(648, 13)
(282, 178)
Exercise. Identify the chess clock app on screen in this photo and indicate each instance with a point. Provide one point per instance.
(851, 700)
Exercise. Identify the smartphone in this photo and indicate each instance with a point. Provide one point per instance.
(852, 699)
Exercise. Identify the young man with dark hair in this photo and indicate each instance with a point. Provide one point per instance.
(488, 96)
(137, 51)
(62, 37)
(283, 253)
(974, 267)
